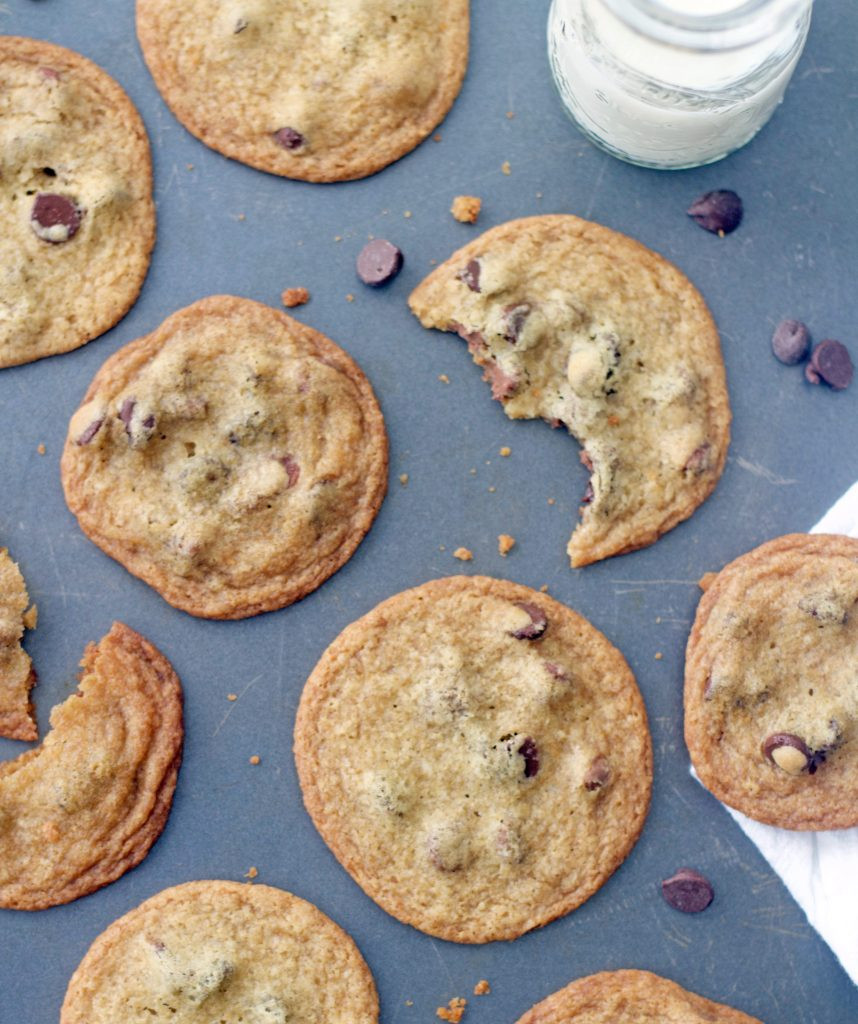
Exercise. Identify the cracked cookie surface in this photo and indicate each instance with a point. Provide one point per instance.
(630, 997)
(771, 683)
(322, 92)
(222, 951)
(233, 459)
(75, 200)
(584, 327)
(84, 807)
(17, 676)
(476, 755)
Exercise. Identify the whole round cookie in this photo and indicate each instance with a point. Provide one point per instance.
(476, 755)
(86, 806)
(17, 676)
(233, 459)
(222, 951)
(590, 330)
(630, 997)
(323, 92)
(771, 696)
(75, 200)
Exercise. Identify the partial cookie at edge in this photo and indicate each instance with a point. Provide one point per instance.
(17, 676)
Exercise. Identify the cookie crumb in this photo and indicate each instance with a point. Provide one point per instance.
(466, 209)
(31, 617)
(338, 238)
(295, 297)
(658, 655)
(436, 137)
(453, 1011)
(240, 216)
(350, 297)
(505, 451)
(472, 471)
(409, 1002)
(657, 619)
(41, 449)
(538, 195)
(403, 479)
(543, 589)
(482, 987)
(255, 759)
(505, 544)
(232, 696)
(505, 167)
(189, 167)
(492, 489)
(442, 547)
(443, 378)
(463, 555)
(407, 214)
(552, 501)
(251, 872)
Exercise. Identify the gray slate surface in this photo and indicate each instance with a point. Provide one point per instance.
(793, 453)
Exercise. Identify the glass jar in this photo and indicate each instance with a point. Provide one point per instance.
(674, 83)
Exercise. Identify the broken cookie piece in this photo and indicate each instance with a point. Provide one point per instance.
(586, 328)
(16, 672)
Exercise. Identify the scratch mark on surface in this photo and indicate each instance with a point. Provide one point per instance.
(656, 583)
(596, 186)
(757, 470)
(232, 706)
(445, 968)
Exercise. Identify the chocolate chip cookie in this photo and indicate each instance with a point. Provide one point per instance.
(588, 329)
(75, 201)
(222, 951)
(322, 92)
(630, 997)
(771, 694)
(476, 755)
(86, 806)
(16, 671)
(233, 459)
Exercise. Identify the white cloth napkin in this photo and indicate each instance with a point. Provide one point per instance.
(820, 868)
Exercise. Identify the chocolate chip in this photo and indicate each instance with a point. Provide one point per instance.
(87, 435)
(791, 342)
(585, 460)
(126, 411)
(789, 752)
(556, 671)
(700, 459)
(589, 494)
(379, 262)
(240, 25)
(719, 212)
(688, 891)
(471, 275)
(810, 374)
(597, 774)
(55, 218)
(514, 318)
(503, 384)
(49, 74)
(289, 138)
(537, 625)
(293, 470)
(530, 752)
(831, 362)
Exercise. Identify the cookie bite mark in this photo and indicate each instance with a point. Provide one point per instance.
(583, 327)
(98, 790)
(17, 677)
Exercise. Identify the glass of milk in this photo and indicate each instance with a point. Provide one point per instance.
(674, 83)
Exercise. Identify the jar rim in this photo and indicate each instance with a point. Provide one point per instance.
(747, 22)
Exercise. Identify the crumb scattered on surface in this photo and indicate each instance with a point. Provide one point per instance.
(407, 214)
(510, 114)
(552, 501)
(338, 238)
(295, 297)
(443, 378)
(657, 619)
(436, 137)
(505, 451)
(232, 696)
(538, 195)
(442, 547)
(432, 263)
(251, 872)
(505, 167)
(409, 1002)
(472, 471)
(190, 167)
(463, 555)
(453, 1011)
(482, 987)
(30, 617)
(41, 449)
(241, 216)
(350, 297)
(255, 759)
(466, 208)
(658, 655)
(403, 478)
(543, 589)
(505, 543)
(492, 489)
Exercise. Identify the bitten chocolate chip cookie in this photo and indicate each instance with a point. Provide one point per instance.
(233, 459)
(586, 328)
(75, 201)
(771, 690)
(320, 91)
(222, 951)
(86, 806)
(476, 755)
(16, 672)
(630, 997)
